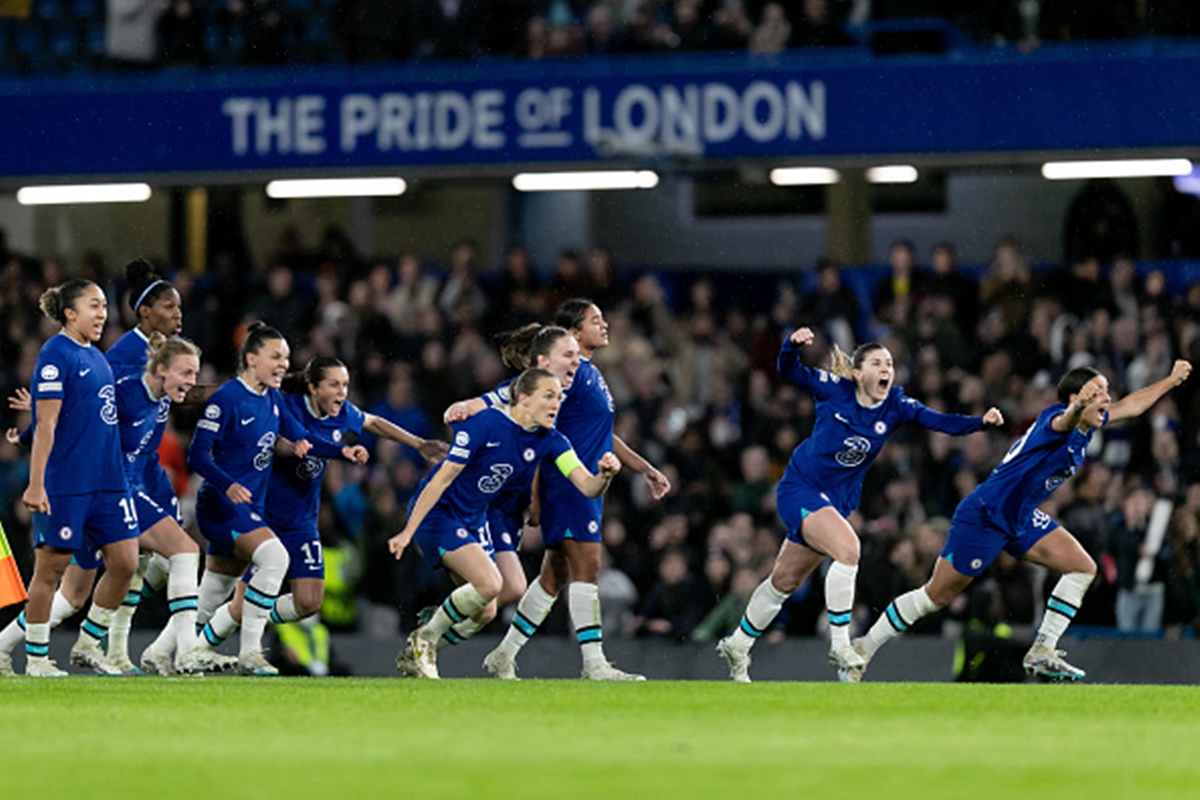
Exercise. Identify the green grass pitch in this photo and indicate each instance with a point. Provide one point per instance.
(216, 737)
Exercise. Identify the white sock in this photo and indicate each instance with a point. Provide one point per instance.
(899, 616)
(462, 604)
(1062, 607)
(271, 562)
(157, 571)
(531, 613)
(458, 633)
(118, 632)
(179, 634)
(215, 590)
(284, 609)
(839, 601)
(14, 633)
(99, 620)
(583, 601)
(219, 628)
(761, 611)
(37, 639)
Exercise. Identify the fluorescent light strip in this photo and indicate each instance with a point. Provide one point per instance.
(84, 193)
(893, 173)
(1133, 168)
(804, 176)
(336, 187)
(583, 181)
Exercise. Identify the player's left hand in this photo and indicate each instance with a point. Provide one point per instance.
(993, 417)
(356, 454)
(398, 543)
(302, 447)
(659, 485)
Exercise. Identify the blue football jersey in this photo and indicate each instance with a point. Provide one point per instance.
(141, 420)
(847, 436)
(86, 456)
(496, 454)
(129, 354)
(1038, 463)
(235, 439)
(294, 487)
(586, 419)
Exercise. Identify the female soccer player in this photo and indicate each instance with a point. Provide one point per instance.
(157, 306)
(571, 523)
(232, 450)
(495, 448)
(858, 408)
(1002, 514)
(316, 398)
(551, 348)
(77, 490)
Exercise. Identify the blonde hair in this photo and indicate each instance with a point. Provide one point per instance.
(843, 365)
(163, 351)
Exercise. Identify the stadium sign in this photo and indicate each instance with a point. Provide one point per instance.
(241, 123)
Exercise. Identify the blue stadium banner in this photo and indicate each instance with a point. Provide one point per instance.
(802, 106)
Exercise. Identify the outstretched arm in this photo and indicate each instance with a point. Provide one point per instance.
(463, 409)
(431, 450)
(659, 485)
(1137, 403)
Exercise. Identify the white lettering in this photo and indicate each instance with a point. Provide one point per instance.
(636, 98)
(488, 117)
(810, 108)
(275, 126)
(767, 129)
(720, 112)
(395, 120)
(451, 120)
(239, 109)
(359, 117)
(681, 116)
(310, 122)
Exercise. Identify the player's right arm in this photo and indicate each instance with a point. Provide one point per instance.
(792, 368)
(446, 472)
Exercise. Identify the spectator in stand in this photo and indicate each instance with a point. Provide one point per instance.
(773, 32)
(1140, 596)
(893, 296)
(816, 27)
(832, 308)
(448, 29)
(731, 26)
(131, 33)
(672, 607)
(181, 35)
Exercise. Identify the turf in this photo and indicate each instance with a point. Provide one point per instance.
(228, 737)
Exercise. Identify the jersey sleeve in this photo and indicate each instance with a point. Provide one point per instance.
(820, 384)
(355, 418)
(469, 435)
(500, 396)
(560, 451)
(208, 433)
(50, 374)
(953, 424)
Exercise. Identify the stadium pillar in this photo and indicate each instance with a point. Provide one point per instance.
(197, 229)
(848, 214)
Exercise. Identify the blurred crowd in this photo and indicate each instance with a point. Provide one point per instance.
(691, 368)
(69, 34)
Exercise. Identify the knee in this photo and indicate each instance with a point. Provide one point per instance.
(940, 596)
(511, 591)
(1087, 566)
(489, 587)
(271, 555)
(121, 563)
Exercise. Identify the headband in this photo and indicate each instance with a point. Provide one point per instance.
(145, 292)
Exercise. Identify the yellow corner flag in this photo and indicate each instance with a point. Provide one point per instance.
(12, 588)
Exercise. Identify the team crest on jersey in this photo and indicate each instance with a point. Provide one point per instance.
(529, 454)
(462, 533)
(49, 372)
(462, 438)
(213, 411)
(65, 533)
(881, 427)
(337, 436)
